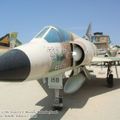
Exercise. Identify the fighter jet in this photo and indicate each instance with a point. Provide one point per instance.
(47, 57)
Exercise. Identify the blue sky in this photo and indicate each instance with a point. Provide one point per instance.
(27, 17)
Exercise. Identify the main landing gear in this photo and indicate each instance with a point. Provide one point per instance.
(110, 81)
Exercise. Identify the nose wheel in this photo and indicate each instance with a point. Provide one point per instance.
(110, 81)
(58, 105)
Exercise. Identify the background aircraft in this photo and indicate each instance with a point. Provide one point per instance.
(48, 56)
(111, 51)
(8, 42)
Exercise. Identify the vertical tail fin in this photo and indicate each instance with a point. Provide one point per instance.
(9, 40)
(4, 41)
(89, 32)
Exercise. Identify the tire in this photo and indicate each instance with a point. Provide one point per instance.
(59, 108)
(110, 81)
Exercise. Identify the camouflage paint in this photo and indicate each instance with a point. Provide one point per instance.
(4, 41)
(13, 37)
(61, 57)
(67, 51)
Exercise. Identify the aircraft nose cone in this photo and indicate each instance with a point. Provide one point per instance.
(14, 66)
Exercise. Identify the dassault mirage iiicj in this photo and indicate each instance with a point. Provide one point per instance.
(47, 57)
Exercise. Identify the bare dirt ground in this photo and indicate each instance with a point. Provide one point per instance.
(29, 101)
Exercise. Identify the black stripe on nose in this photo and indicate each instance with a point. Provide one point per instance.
(14, 66)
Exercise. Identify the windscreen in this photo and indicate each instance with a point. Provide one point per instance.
(54, 34)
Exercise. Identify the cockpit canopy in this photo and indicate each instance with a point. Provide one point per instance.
(54, 34)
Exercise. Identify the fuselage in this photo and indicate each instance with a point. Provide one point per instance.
(52, 51)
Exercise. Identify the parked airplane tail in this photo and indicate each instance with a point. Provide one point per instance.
(8, 40)
(4, 41)
(88, 34)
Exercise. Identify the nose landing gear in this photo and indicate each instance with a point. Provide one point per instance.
(110, 81)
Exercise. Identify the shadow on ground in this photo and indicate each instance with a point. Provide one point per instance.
(77, 100)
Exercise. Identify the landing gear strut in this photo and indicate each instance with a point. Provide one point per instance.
(58, 103)
(110, 81)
